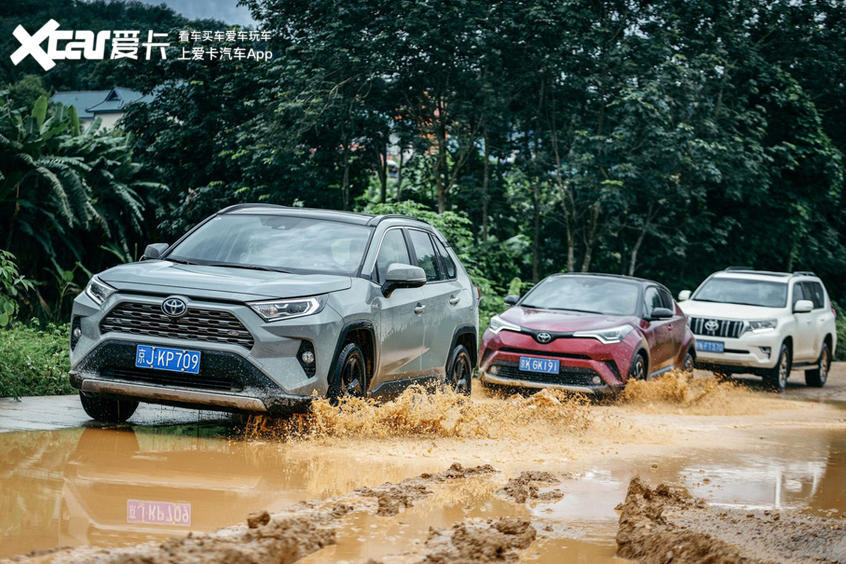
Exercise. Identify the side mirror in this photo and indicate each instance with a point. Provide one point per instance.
(803, 306)
(154, 251)
(402, 276)
(511, 299)
(684, 295)
(661, 313)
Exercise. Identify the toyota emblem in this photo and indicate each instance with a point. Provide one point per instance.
(543, 337)
(712, 325)
(174, 307)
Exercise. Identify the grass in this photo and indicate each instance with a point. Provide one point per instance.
(34, 360)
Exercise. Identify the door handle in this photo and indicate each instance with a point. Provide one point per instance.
(419, 308)
(454, 300)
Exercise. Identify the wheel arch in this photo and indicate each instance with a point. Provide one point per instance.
(464, 335)
(364, 335)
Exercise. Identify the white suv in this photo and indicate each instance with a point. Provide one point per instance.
(764, 323)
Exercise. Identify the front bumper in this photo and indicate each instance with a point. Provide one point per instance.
(266, 377)
(755, 351)
(586, 365)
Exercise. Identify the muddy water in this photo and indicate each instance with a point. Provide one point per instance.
(87, 486)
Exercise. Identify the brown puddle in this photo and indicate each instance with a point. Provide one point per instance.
(111, 487)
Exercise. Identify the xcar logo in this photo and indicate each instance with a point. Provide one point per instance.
(82, 43)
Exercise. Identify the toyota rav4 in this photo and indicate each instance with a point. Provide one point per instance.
(764, 323)
(260, 307)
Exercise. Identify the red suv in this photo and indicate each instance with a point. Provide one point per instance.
(586, 333)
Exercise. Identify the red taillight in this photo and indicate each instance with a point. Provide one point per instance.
(833, 310)
(479, 294)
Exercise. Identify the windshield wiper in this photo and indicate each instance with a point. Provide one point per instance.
(564, 309)
(247, 266)
(179, 260)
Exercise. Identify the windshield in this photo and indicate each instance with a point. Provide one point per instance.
(276, 242)
(607, 296)
(743, 292)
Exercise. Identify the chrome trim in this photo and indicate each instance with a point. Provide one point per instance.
(160, 393)
(485, 377)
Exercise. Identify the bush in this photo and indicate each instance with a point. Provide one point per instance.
(34, 360)
(840, 354)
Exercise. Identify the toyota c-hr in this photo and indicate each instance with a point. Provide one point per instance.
(586, 333)
(260, 307)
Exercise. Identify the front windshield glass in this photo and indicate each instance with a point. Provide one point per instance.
(276, 242)
(743, 292)
(590, 294)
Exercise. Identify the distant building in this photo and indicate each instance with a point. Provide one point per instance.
(108, 105)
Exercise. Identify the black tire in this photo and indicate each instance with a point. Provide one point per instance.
(459, 376)
(816, 377)
(349, 379)
(776, 379)
(638, 369)
(106, 409)
(688, 364)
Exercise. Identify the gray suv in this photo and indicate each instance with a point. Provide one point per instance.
(259, 308)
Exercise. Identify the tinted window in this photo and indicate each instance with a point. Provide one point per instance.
(814, 292)
(295, 244)
(743, 292)
(652, 299)
(393, 250)
(590, 294)
(798, 293)
(447, 264)
(426, 257)
(667, 299)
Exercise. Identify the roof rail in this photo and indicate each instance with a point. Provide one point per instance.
(376, 220)
(803, 273)
(242, 206)
(736, 268)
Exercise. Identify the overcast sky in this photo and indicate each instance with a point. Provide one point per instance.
(226, 11)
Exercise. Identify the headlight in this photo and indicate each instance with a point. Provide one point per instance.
(761, 325)
(610, 335)
(499, 324)
(98, 290)
(274, 310)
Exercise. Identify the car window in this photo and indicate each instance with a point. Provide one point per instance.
(447, 264)
(814, 291)
(652, 299)
(393, 250)
(666, 299)
(426, 257)
(798, 293)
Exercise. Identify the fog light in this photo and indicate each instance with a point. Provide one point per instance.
(766, 351)
(77, 333)
(308, 357)
(596, 380)
(493, 369)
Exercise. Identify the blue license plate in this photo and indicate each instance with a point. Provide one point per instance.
(543, 365)
(710, 346)
(164, 358)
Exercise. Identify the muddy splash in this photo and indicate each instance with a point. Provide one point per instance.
(696, 395)
(418, 412)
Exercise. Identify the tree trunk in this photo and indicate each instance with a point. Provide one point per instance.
(591, 235)
(399, 175)
(639, 241)
(345, 181)
(535, 233)
(382, 171)
(485, 182)
(440, 171)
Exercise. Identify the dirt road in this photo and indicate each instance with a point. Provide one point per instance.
(558, 470)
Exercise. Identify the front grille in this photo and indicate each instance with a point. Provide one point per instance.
(544, 352)
(206, 381)
(207, 325)
(716, 327)
(567, 375)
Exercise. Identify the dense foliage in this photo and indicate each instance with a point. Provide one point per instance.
(661, 139)
(34, 360)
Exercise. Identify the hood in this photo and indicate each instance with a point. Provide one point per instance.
(219, 282)
(563, 321)
(693, 308)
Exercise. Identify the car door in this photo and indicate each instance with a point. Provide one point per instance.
(821, 316)
(401, 336)
(433, 303)
(458, 299)
(803, 336)
(676, 328)
(657, 332)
